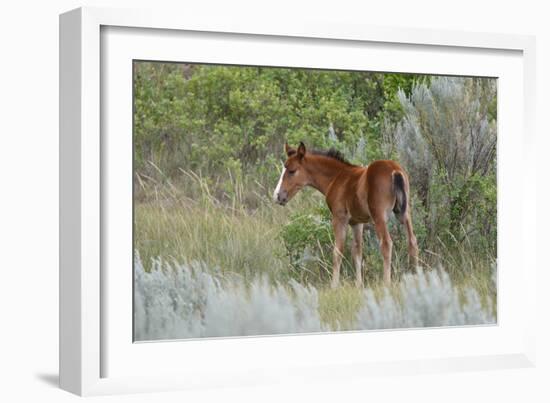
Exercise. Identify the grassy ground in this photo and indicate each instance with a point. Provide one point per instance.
(186, 222)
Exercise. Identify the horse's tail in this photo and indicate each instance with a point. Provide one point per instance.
(399, 189)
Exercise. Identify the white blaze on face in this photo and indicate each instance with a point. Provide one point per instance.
(278, 188)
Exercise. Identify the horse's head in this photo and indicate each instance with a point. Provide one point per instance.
(294, 176)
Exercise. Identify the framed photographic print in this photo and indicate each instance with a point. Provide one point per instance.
(237, 198)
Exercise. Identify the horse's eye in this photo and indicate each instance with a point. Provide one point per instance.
(291, 172)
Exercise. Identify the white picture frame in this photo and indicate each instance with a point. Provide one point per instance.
(88, 333)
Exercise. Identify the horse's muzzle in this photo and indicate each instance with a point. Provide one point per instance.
(282, 198)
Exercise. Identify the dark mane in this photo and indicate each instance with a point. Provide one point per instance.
(332, 153)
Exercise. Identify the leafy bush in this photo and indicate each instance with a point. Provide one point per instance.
(308, 239)
(212, 119)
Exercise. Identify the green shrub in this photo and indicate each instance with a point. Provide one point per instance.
(206, 118)
(308, 240)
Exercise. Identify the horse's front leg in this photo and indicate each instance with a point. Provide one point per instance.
(357, 253)
(339, 226)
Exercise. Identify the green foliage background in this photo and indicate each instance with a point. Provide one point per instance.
(214, 118)
(210, 138)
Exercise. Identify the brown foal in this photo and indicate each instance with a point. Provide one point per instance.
(354, 195)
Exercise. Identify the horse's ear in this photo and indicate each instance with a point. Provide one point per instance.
(289, 151)
(301, 150)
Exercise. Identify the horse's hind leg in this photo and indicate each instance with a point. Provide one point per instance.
(413, 246)
(357, 252)
(385, 245)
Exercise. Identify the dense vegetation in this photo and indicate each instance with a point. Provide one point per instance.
(188, 301)
(208, 144)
